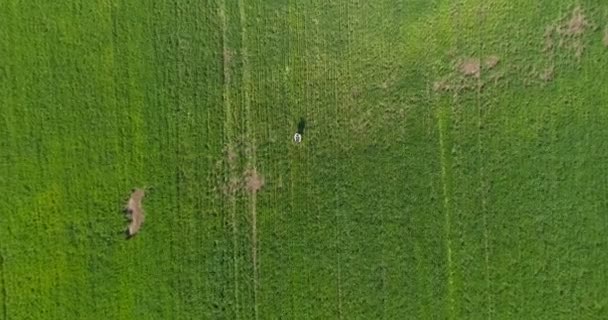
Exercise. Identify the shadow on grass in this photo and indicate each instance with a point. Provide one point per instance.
(301, 126)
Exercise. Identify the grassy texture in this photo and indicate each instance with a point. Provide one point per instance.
(404, 200)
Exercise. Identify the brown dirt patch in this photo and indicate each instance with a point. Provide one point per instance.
(606, 37)
(549, 41)
(355, 92)
(227, 56)
(491, 62)
(470, 67)
(576, 25)
(568, 33)
(449, 85)
(232, 186)
(231, 156)
(572, 31)
(135, 212)
(232, 183)
(466, 74)
(253, 180)
(441, 85)
(231, 180)
(548, 74)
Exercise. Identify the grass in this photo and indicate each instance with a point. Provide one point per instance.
(480, 199)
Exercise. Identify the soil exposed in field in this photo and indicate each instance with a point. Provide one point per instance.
(577, 24)
(547, 74)
(248, 180)
(135, 212)
(491, 62)
(568, 33)
(253, 180)
(227, 55)
(470, 67)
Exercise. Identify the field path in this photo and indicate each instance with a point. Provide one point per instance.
(446, 208)
(229, 136)
(4, 290)
(482, 175)
(250, 152)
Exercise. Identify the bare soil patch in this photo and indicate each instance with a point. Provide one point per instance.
(470, 67)
(355, 92)
(573, 29)
(229, 184)
(232, 179)
(465, 74)
(576, 25)
(451, 85)
(548, 74)
(253, 180)
(441, 85)
(606, 37)
(549, 39)
(227, 55)
(231, 156)
(491, 62)
(568, 33)
(233, 185)
(135, 212)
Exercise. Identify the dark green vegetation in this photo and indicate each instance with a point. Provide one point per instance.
(453, 164)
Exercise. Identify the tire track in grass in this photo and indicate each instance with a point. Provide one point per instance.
(229, 136)
(456, 306)
(337, 216)
(4, 290)
(306, 93)
(177, 98)
(6, 144)
(192, 192)
(175, 117)
(292, 259)
(292, 206)
(212, 234)
(270, 287)
(386, 51)
(310, 98)
(250, 151)
(294, 51)
(295, 89)
(317, 36)
(300, 174)
(159, 133)
(446, 206)
(267, 52)
(302, 167)
(286, 84)
(278, 205)
(322, 73)
(482, 177)
(344, 98)
(455, 18)
(441, 125)
(335, 131)
(4, 229)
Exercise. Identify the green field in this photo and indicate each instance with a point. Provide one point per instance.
(453, 165)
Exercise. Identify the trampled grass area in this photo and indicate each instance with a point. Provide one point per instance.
(452, 164)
